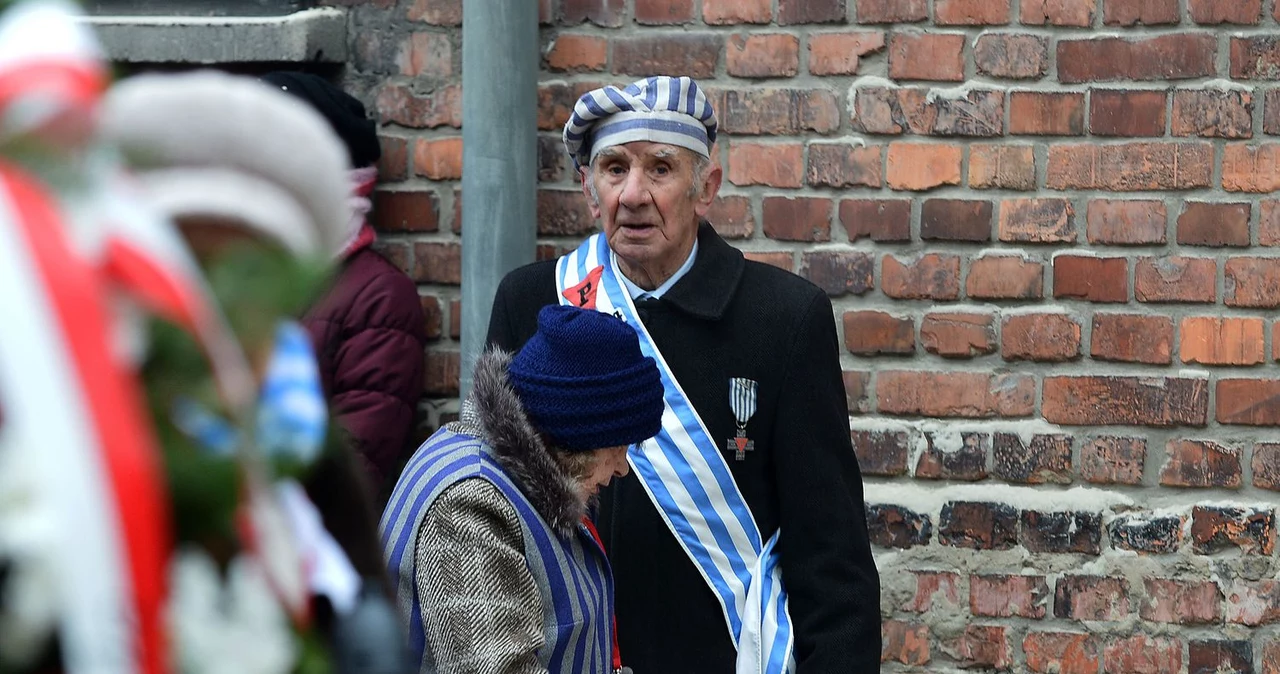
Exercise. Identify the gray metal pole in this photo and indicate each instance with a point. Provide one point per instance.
(499, 156)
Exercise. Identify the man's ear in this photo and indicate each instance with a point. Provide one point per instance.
(584, 173)
(710, 188)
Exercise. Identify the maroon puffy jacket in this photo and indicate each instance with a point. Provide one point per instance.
(369, 334)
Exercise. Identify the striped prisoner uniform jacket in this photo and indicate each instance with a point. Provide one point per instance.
(484, 537)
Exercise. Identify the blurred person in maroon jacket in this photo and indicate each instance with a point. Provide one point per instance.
(368, 330)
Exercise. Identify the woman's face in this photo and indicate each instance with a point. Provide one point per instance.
(606, 464)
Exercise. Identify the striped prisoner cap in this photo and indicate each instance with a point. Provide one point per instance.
(671, 110)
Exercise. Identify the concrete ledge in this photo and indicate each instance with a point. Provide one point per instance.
(311, 35)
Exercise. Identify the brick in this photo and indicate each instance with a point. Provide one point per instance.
(1130, 167)
(1130, 338)
(1141, 654)
(1271, 113)
(1213, 656)
(935, 590)
(784, 112)
(1113, 460)
(1093, 279)
(437, 12)
(855, 391)
(433, 317)
(425, 55)
(879, 219)
(555, 104)
(663, 12)
(978, 112)
(1266, 466)
(1141, 533)
(443, 371)
(1121, 112)
(455, 320)
(868, 333)
(891, 11)
(1061, 532)
(406, 211)
(563, 213)
(904, 642)
(691, 54)
(1183, 602)
(950, 456)
(791, 12)
(926, 56)
(723, 12)
(400, 255)
(1271, 657)
(1175, 279)
(1006, 596)
(954, 335)
(576, 53)
(1126, 401)
(839, 272)
(1269, 222)
(955, 394)
(1213, 113)
(781, 259)
(772, 164)
(971, 12)
(1037, 221)
(1007, 277)
(1009, 56)
(762, 55)
(456, 225)
(891, 526)
(1046, 337)
(982, 646)
(438, 159)
(437, 263)
(839, 53)
(1077, 13)
(955, 220)
(1251, 168)
(1061, 653)
(1212, 12)
(731, 216)
(1125, 222)
(393, 165)
(1097, 598)
(797, 219)
(1249, 402)
(1214, 340)
(1252, 282)
(1045, 459)
(1165, 57)
(843, 165)
(1201, 463)
(922, 166)
(932, 276)
(1040, 113)
(1008, 167)
(881, 453)
(1255, 58)
(607, 13)
(1214, 529)
(551, 159)
(1145, 12)
(893, 110)
(1253, 603)
(979, 526)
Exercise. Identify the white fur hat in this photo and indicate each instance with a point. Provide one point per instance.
(207, 143)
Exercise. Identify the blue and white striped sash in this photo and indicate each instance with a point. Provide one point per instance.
(686, 476)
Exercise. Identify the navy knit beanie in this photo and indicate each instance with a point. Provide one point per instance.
(584, 383)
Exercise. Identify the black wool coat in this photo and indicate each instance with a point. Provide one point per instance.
(730, 317)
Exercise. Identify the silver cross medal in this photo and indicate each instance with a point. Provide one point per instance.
(742, 399)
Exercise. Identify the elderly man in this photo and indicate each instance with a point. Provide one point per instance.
(746, 511)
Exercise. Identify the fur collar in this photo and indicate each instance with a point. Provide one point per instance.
(493, 413)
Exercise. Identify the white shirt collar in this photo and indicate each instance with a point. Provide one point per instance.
(636, 291)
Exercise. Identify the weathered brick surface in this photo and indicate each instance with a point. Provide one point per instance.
(1048, 230)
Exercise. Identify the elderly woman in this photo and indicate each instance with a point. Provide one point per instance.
(497, 567)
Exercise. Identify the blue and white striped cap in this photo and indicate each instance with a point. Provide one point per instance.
(671, 110)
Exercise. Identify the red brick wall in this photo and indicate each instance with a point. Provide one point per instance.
(1047, 229)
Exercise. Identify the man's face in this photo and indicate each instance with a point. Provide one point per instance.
(650, 200)
(606, 464)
